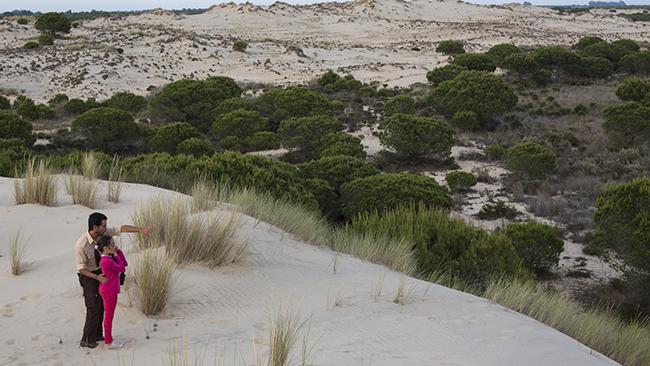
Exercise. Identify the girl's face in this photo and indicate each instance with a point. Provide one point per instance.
(109, 249)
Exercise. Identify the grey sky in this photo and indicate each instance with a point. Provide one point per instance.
(80, 5)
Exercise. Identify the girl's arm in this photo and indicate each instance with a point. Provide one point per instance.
(109, 266)
(121, 257)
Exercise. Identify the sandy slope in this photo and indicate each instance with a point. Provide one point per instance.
(391, 41)
(228, 310)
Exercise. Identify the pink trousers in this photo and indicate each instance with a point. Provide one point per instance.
(110, 303)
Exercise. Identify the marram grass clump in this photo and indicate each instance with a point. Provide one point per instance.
(153, 274)
(37, 184)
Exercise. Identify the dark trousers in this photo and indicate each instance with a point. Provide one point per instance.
(94, 308)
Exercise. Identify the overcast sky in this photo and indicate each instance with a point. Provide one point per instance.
(81, 5)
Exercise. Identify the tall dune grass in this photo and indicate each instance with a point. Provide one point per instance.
(286, 328)
(17, 248)
(37, 184)
(115, 181)
(153, 274)
(83, 188)
(208, 238)
(625, 342)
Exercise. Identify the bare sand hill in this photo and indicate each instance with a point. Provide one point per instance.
(391, 41)
(228, 310)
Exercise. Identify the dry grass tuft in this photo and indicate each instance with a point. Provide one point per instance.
(83, 188)
(115, 180)
(17, 248)
(286, 328)
(153, 275)
(37, 185)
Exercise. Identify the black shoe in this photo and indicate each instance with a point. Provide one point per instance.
(88, 344)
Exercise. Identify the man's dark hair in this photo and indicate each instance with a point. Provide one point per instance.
(95, 219)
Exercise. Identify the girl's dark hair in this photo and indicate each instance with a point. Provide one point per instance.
(102, 242)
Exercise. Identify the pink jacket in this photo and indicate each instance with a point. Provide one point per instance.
(111, 268)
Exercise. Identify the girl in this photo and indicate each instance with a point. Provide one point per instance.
(112, 264)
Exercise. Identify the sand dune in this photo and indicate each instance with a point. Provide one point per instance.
(391, 41)
(228, 310)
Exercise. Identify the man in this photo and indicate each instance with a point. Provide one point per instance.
(90, 275)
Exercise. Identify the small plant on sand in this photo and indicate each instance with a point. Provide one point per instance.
(404, 293)
(239, 46)
(286, 329)
(37, 185)
(153, 275)
(16, 253)
(115, 180)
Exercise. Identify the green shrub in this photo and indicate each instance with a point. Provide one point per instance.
(31, 45)
(45, 112)
(595, 67)
(329, 203)
(107, 129)
(475, 61)
(279, 104)
(636, 63)
(587, 41)
(232, 143)
(542, 77)
(13, 154)
(341, 143)
(233, 104)
(26, 108)
(348, 82)
(610, 51)
(329, 77)
(399, 104)
(413, 136)
(443, 244)
(126, 101)
(627, 123)
(386, 191)
(308, 133)
(59, 98)
(531, 160)
(466, 121)
(193, 101)
(556, 56)
(240, 123)
(497, 210)
(263, 140)
(4, 103)
(12, 126)
(450, 47)
(459, 181)
(77, 106)
(195, 146)
(499, 52)
(167, 137)
(22, 21)
(337, 170)
(627, 44)
(480, 92)
(53, 23)
(444, 73)
(495, 152)
(239, 46)
(520, 63)
(537, 244)
(633, 89)
(45, 40)
(622, 221)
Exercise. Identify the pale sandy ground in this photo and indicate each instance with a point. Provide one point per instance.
(228, 310)
(390, 41)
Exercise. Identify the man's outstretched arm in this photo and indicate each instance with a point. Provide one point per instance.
(135, 229)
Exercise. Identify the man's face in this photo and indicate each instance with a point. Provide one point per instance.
(101, 229)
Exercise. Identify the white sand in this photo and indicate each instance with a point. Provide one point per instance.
(228, 310)
(390, 41)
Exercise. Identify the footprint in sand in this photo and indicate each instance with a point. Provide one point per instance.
(30, 297)
(10, 342)
(9, 310)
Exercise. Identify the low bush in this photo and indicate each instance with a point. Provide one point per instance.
(497, 210)
(239, 46)
(195, 146)
(498, 53)
(444, 73)
(531, 160)
(587, 41)
(77, 106)
(338, 170)
(240, 123)
(4, 103)
(450, 47)
(108, 129)
(31, 45)
(627, 124)
(520, 63)
(59, 98)
(413, 136)
(262, 140)
(45, 40)
(126, 101)
(475, 61)
(495, 152)
(22, 21)
(341, 143)
(636, 62)
(386, 191)
(12, 126)
(459, 181)
(537, 244)
(308, 133)
(399, 104)
(13, 153)
(279, 104)
(166, 138)
(633, 89)
(466, 121)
